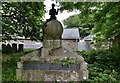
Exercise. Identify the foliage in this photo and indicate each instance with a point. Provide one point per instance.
(23, 53)
(66, 60)
(97, 73)
(104, 15)
(110, 56)
(26, 51)
(103, 64)
(74, 22)
(22, 19)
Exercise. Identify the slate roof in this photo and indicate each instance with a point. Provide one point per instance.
(72, 33)
(82, 45)
(89, 37)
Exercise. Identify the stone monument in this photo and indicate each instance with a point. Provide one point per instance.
(52, 62)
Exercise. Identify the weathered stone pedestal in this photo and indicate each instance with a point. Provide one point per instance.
(52, 62)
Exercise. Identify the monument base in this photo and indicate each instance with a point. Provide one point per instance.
(67, 67)
(51, 75)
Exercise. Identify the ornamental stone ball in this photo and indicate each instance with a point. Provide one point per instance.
(53, 30)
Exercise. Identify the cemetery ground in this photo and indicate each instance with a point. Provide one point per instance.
(103, 65)
(9, 64)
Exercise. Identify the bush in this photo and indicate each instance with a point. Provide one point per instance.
(103, 65)
(97, 73)
(110, 58)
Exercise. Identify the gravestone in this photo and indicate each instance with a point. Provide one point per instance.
(20, 47)
(52, 62)
(9, 48)
(14, 47)
(4, 48)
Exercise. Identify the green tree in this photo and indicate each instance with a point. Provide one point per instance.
(22, 19)
(104, 15)
(74, 21)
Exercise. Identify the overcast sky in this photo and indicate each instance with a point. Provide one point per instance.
(60, 16)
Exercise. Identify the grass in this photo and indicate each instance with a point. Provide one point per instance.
(9, 65)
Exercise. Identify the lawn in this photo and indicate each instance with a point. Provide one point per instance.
(9, 65)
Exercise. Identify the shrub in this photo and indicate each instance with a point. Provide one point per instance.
(103, 65)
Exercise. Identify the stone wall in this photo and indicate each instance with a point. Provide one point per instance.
(71, 45)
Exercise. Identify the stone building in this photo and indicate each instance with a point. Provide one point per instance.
(70, 38)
